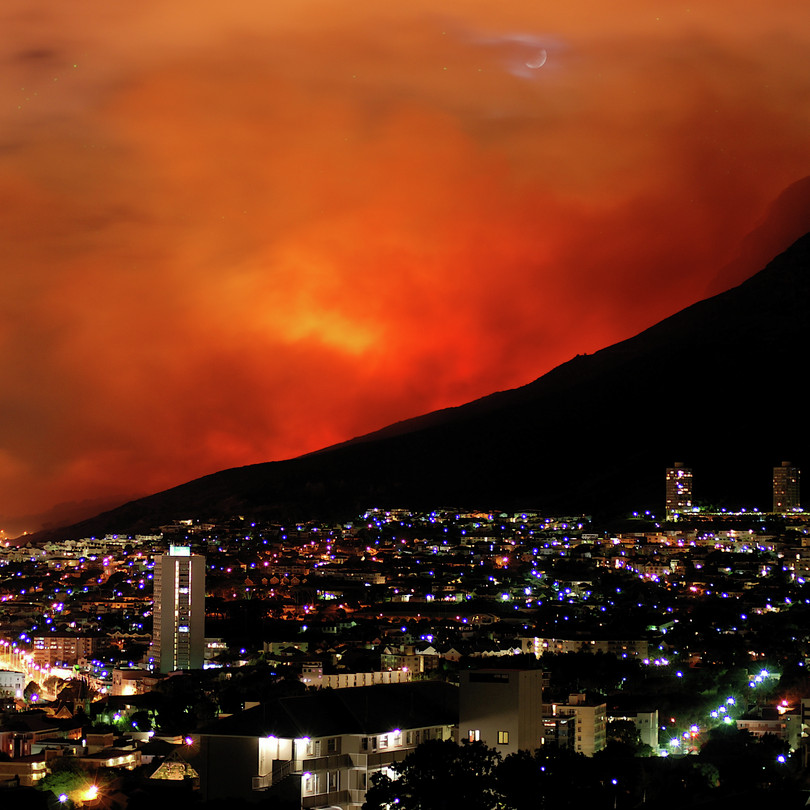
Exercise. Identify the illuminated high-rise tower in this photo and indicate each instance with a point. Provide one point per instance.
(786, 488)
(178, 634)
(679, 490)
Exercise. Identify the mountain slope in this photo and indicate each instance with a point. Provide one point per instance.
(716, 386)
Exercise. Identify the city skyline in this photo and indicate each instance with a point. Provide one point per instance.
(240, 234)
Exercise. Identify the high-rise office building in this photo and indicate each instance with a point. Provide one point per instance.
(679, 489)
(178, 635)
(786, 488)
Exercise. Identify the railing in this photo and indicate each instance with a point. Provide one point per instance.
(359, 760)
(281, 770)
(327, 763)
(325, 799)
(387, 757)
(262, 782)
(357, 796)
(284, 769)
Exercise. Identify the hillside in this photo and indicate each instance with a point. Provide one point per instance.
(716, 386)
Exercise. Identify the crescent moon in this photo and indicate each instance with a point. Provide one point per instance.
(538, 60)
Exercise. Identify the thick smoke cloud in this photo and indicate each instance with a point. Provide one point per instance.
(238, 232)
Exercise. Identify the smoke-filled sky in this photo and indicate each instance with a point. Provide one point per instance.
(235, 232)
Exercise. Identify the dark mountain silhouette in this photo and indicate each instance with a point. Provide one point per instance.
(717, 386)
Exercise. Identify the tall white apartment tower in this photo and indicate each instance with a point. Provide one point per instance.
(178, 634)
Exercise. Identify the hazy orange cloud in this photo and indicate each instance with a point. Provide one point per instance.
(239, 232)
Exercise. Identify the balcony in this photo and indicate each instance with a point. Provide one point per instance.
(330, 762)
(387, 757)
(335, 797)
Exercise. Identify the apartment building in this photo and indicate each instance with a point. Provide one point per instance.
(326, 744)
(590, 735)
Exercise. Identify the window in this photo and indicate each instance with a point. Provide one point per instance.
(334, 780)
(417, 738)
(383, 741)
(333, 745)
(409, 737)
(503, 738)
(474, 734)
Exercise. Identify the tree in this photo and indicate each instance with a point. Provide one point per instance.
(549, 778)
(439, 775)
(742, 759)
(186, 702)
(66, 776)
(32, 692)
(624, 731)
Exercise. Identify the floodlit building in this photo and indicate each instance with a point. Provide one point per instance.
(591, 723)
(312, 675)
(11, 683)
(786, 488)
(503, 708)
(129, 681)
(621, 647)
(178, 636)
(25, 770)
(679, 490)
(64, 650)
(17, 738)
(646, 724)
(559, 732)
(779, 721)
